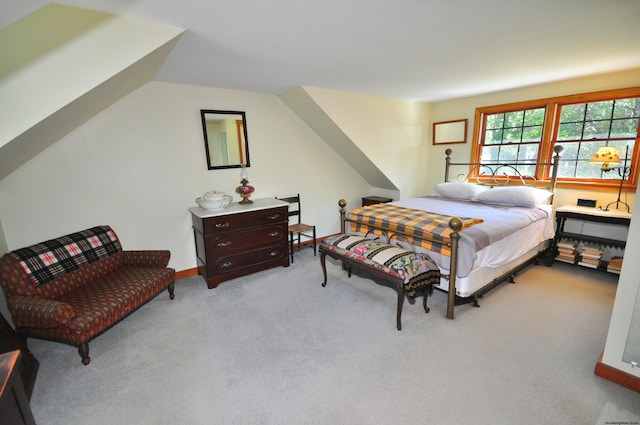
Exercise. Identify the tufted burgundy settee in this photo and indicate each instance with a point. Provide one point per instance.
(72, 288)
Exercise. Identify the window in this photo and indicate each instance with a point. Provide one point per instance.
(513, 137)
(584, 127)
(526, 132)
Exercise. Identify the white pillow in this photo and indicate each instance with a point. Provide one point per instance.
(463, 191)
(520, 196)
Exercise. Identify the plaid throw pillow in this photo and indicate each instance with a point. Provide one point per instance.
(52, 259)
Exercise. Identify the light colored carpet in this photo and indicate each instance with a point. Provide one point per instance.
(613, 415)
(277, 348)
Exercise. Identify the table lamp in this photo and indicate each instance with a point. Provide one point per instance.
(607, 155)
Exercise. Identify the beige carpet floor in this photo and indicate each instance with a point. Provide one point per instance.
(277, 348)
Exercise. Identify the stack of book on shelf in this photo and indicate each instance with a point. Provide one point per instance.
(590, 256)
(567, 251)
(614, 265)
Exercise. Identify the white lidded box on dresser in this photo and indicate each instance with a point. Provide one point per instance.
(214, 200)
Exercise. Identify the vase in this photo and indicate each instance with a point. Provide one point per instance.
(245, 192)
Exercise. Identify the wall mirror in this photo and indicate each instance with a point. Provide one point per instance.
(225, 138)
(449, 132)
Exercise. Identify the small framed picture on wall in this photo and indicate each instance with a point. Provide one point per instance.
(450, 132)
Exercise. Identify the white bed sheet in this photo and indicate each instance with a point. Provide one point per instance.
(513, 246)
(482, 276)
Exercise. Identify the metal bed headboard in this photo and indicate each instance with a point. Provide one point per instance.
(503, 173)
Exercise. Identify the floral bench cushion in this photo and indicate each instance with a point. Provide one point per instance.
(417, 270)
(54, 258)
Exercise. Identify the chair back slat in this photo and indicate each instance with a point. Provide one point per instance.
(299, 229)
(295, 207)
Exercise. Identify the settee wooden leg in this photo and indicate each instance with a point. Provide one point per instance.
(170, 289)
(83, 349)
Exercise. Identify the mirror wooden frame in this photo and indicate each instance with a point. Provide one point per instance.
(450, 132)
(228, 147)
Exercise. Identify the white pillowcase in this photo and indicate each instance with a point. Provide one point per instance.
(520, 196)
(455, 190)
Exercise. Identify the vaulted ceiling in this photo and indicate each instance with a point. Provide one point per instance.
(426, 50)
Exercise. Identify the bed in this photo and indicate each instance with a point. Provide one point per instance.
(480, 228)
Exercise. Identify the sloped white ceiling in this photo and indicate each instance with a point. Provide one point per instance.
(426, 50)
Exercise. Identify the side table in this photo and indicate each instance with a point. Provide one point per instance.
(589, 215)
(372, 200)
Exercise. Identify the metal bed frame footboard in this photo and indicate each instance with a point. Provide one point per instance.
(454, 223)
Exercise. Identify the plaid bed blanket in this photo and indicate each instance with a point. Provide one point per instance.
(414, 223)
(52, 259)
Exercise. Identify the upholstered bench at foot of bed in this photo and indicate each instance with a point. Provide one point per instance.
(409, 271)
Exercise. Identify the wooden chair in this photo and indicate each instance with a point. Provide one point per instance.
(298, 229)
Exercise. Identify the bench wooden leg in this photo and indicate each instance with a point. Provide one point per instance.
(425, 297)
(400, 304)
(399, 285)
(324, 266)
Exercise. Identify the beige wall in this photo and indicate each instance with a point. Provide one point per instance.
(139, 165)
(392, 133)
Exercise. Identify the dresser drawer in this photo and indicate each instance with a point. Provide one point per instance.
(226, 242)
(240, 240)
(251, 258)
(233, 222)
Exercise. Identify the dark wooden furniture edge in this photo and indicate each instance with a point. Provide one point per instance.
(194, 270)
(616, 376)
(14, 404)
(29, 370)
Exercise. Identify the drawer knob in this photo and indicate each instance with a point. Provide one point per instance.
(226, 264)
(274, 234)
(273, 216)
(224, 244)
(274, 253)
(222, 225)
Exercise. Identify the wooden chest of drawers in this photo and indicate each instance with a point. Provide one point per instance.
(241, 239)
